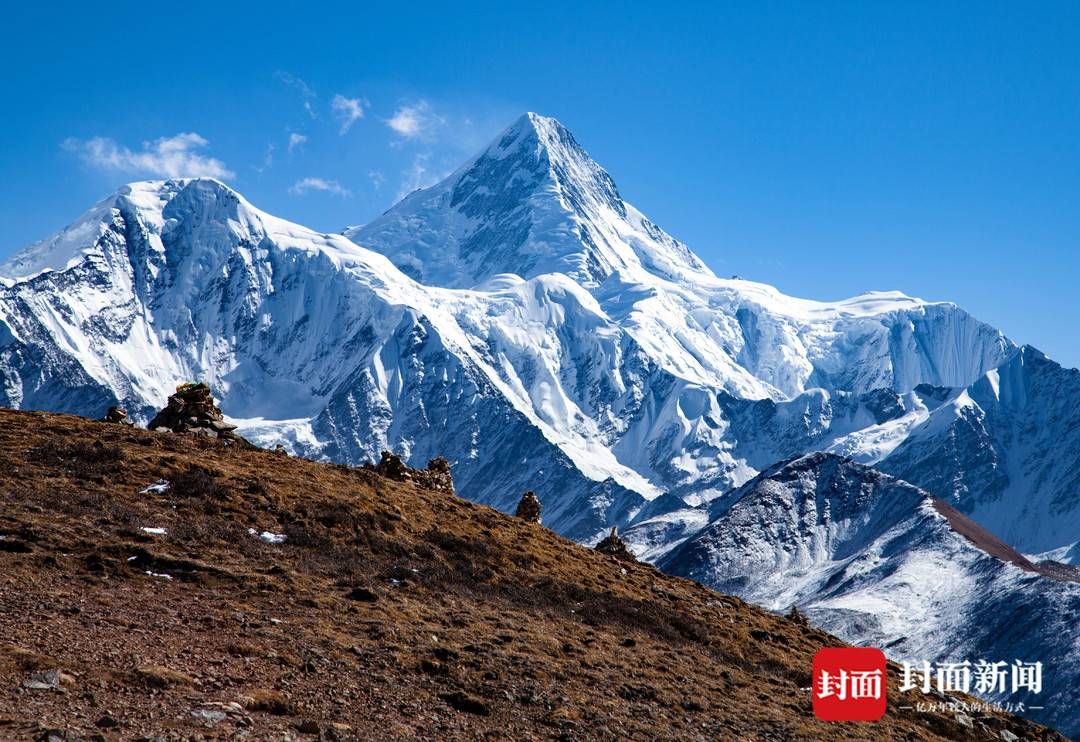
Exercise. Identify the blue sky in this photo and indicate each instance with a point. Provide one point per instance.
(826, 148)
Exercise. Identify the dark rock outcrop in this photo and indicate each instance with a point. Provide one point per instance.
(616, 547)
(119, 416)
(192, 410)
(437, 476)
(529, 507)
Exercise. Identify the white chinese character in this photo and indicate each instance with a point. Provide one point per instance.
(954, 676)
(866, 684)
(828, 686)
(1027, 675)
(908, 681)
(990, 676)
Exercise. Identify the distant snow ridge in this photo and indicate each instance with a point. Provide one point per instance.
(876, 561)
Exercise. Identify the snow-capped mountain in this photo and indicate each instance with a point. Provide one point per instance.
(534, 202)
(306, 337)
(559, 340)
(882, 563)
(1004, 451)
(525, 321)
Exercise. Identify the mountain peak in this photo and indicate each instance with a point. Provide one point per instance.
(532, 202)
(148, 197)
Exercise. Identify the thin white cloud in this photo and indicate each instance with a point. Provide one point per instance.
(300, 187)
(347, 110)
(167, 157)
(306, 91)
(418, 175)
(295, 140)
(268, 160)
(377, 178)
(296, 83)
(416, 121)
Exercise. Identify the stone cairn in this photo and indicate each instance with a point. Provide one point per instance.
(436, 477)
(192, 410)
(614, 546)
(529, 507)
(118, 415)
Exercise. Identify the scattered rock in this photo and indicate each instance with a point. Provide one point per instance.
(614, 546)
(362, 594)
(161, 677)
(964, 720)
(529, 507)
(270, 701)
(1008, 736)
(118, 415)
(308, 727)
(209, 717)
(437, 476)
(192, 410)
(462, 701)
(106, 722)
(160, 487)
(45, 680)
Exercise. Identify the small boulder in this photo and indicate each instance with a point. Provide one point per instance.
(192, 410)
(529, 507)
(391, 466)
(436, 477)
(614, 546)
(118, 416)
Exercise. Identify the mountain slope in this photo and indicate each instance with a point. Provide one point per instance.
(882, 563)
(1004, 451)
(387, 611)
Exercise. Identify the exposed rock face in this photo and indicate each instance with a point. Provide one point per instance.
(529, 507)
(192, 410)
(615, 546)
(119, 416)
(437, 476)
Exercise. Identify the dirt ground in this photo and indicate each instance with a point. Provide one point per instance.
(388, 612)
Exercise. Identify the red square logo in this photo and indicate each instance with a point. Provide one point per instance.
(849, 684)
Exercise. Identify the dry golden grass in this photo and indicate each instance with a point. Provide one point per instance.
(390, 611)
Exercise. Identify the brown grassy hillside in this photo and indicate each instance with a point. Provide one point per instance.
(390, 612)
